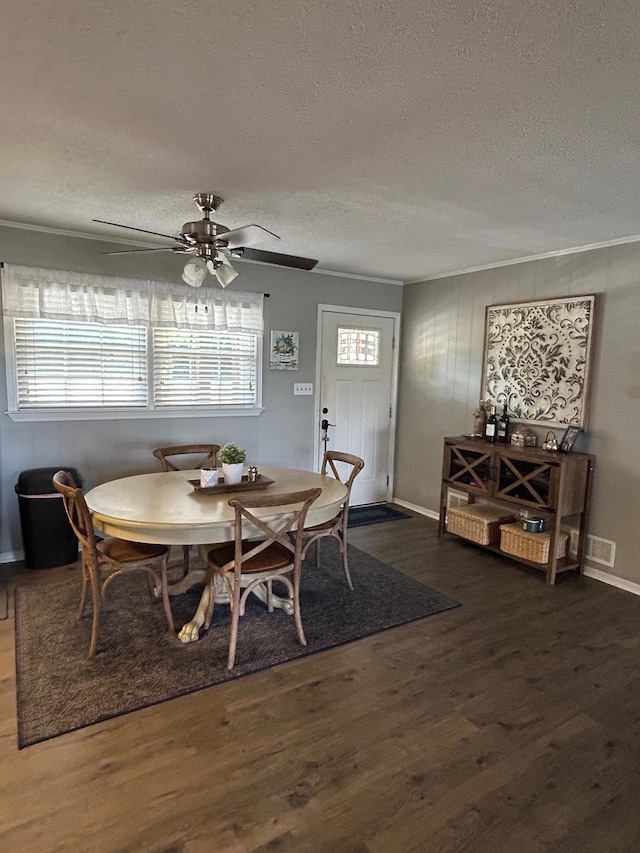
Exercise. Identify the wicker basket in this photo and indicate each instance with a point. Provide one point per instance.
(531, 546)
(478, 522)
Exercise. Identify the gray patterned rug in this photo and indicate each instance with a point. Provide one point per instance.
(138, 664)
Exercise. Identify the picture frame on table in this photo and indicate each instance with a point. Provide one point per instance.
(568, 439)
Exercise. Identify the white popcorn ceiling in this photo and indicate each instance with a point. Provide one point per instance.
(397, 139)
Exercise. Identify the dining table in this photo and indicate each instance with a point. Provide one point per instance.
(170, 508)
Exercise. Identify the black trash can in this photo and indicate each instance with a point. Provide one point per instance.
(46, 533)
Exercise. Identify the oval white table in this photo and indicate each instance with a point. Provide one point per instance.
(164, 508)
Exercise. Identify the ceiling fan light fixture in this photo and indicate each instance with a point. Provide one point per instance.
(225, 274)
(194, 272)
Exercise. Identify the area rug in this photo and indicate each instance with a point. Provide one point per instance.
(374, 514)
(139, 664)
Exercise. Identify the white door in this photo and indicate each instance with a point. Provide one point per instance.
(357, 369)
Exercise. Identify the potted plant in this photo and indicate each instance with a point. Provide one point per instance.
(232, 457)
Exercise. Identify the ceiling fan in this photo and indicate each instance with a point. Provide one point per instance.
(213, 245)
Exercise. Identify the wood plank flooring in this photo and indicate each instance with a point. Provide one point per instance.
(509, 725)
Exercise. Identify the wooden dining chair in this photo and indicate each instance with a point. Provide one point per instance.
(277, 556)
(103, 560)
(166, 455)
(337, 526)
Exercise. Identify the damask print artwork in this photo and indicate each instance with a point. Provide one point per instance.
(537, 359)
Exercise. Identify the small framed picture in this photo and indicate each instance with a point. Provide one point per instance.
(284, 350)
(568, 439)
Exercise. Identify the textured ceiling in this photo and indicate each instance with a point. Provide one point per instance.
(393, 138)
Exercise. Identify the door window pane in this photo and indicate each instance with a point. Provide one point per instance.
(358, 346)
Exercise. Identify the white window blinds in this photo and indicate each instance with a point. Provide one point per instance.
(79, 365)
(203, 368)
(77, 342)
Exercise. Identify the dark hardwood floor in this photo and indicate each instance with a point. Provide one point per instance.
(508, 725)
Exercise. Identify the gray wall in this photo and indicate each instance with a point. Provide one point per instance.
(101, 450)
(441, 362)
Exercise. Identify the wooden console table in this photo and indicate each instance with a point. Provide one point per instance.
(555, 485)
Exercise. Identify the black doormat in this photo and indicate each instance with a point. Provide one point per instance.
(138, 663)
(374, 514)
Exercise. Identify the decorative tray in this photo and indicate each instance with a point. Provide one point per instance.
(260, 483)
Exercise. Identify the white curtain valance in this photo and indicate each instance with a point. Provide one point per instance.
(31, 292)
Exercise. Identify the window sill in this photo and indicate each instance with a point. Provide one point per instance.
(130, 414)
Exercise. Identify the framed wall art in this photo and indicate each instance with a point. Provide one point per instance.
(537, 360)
(283, 354)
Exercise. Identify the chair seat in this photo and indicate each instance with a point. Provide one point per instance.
(129, 552)
(274, 557)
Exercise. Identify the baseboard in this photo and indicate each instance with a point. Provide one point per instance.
(588, 571)
(415, 508)
(612, 580)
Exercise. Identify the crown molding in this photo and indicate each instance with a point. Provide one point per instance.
(606, 244)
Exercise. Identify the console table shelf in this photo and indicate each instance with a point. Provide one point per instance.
(555, 485)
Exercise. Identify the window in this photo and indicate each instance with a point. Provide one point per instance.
(203, 368)
(147, 348)
(358, 347)
(79, 365)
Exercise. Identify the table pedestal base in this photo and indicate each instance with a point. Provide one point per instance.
(190, 632)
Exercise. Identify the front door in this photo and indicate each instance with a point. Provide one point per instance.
(357, 385)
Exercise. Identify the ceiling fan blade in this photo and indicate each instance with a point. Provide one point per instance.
(133, 251)
(246, 236)
(292, 261)
(131, 228)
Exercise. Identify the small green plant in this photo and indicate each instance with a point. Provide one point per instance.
(231, 454)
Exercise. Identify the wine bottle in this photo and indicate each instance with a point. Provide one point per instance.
(503, 426)
(490, 428)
